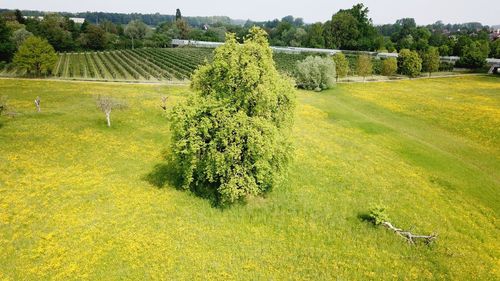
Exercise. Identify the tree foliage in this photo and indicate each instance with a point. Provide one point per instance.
(36, 56)
(136, 30)
(341, 65)
(315, 73)
(364, 66)
(409, 63)
(230, 140)
(7, 47)
(430, 60)
(473, 56)
(389, 66)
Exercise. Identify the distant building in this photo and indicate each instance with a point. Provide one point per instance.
(75, 20)
(78, 20)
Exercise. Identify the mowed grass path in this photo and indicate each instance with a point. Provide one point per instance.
(81, 201)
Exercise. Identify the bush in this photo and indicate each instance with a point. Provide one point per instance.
(377, 214)
(409, 63)
(315, 73)
(231, 139)
(377, 66)
(389, 67)
(446, 66)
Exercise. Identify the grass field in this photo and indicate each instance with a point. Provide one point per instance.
(82, 201)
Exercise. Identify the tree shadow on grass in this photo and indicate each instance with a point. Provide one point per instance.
(167, 174)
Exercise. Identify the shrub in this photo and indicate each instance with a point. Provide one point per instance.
(364, 66)
(446, 66)
(377, 214)
(389, 67)
(230, 139)
(315, 73)
(409, 63)
(341, 65)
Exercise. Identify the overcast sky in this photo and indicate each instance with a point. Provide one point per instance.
(381, 11)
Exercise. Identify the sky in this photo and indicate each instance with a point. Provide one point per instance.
(381, 11)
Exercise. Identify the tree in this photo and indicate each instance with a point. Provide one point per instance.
(315, 36)
(341, 65)
(389, 66)
(7, 47)
(473, 56)
(409, 63)
(315, 73)
(136, 29)
(430, 60)
(94, 38)
(107, 104)
(38, 104)
(231, 139)
(36, 56)
(178, 15)
(364, 66)
(344, 31)
(20, 35)
(19, 17)
(58, 31)
(495, 49)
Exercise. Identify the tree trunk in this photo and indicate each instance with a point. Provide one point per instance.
(108, 118)
(132, 43)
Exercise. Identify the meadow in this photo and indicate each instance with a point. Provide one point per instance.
(81, 201)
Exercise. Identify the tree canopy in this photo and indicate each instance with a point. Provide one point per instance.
(36, 56)
(230, 139)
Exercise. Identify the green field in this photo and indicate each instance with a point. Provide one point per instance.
(82, 201)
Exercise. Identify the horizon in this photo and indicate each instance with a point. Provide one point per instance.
(452, 15)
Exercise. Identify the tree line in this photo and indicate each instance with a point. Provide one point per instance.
(348, 29)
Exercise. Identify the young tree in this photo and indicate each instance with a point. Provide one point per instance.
(315, 73)
(164, 103)
(430, 60)
(37, 104)
(231, 139)
(389, 66)
(341, 65)
(409, 63)
(36, 56)
(107, 104)
(364, 66)
(136, 29)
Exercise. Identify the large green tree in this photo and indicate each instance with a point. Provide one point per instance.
(36, 56)
(230, 139)
(136, 30)
(7, 47)
(473, 55)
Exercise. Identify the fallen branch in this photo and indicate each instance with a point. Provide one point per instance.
(410, 237)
